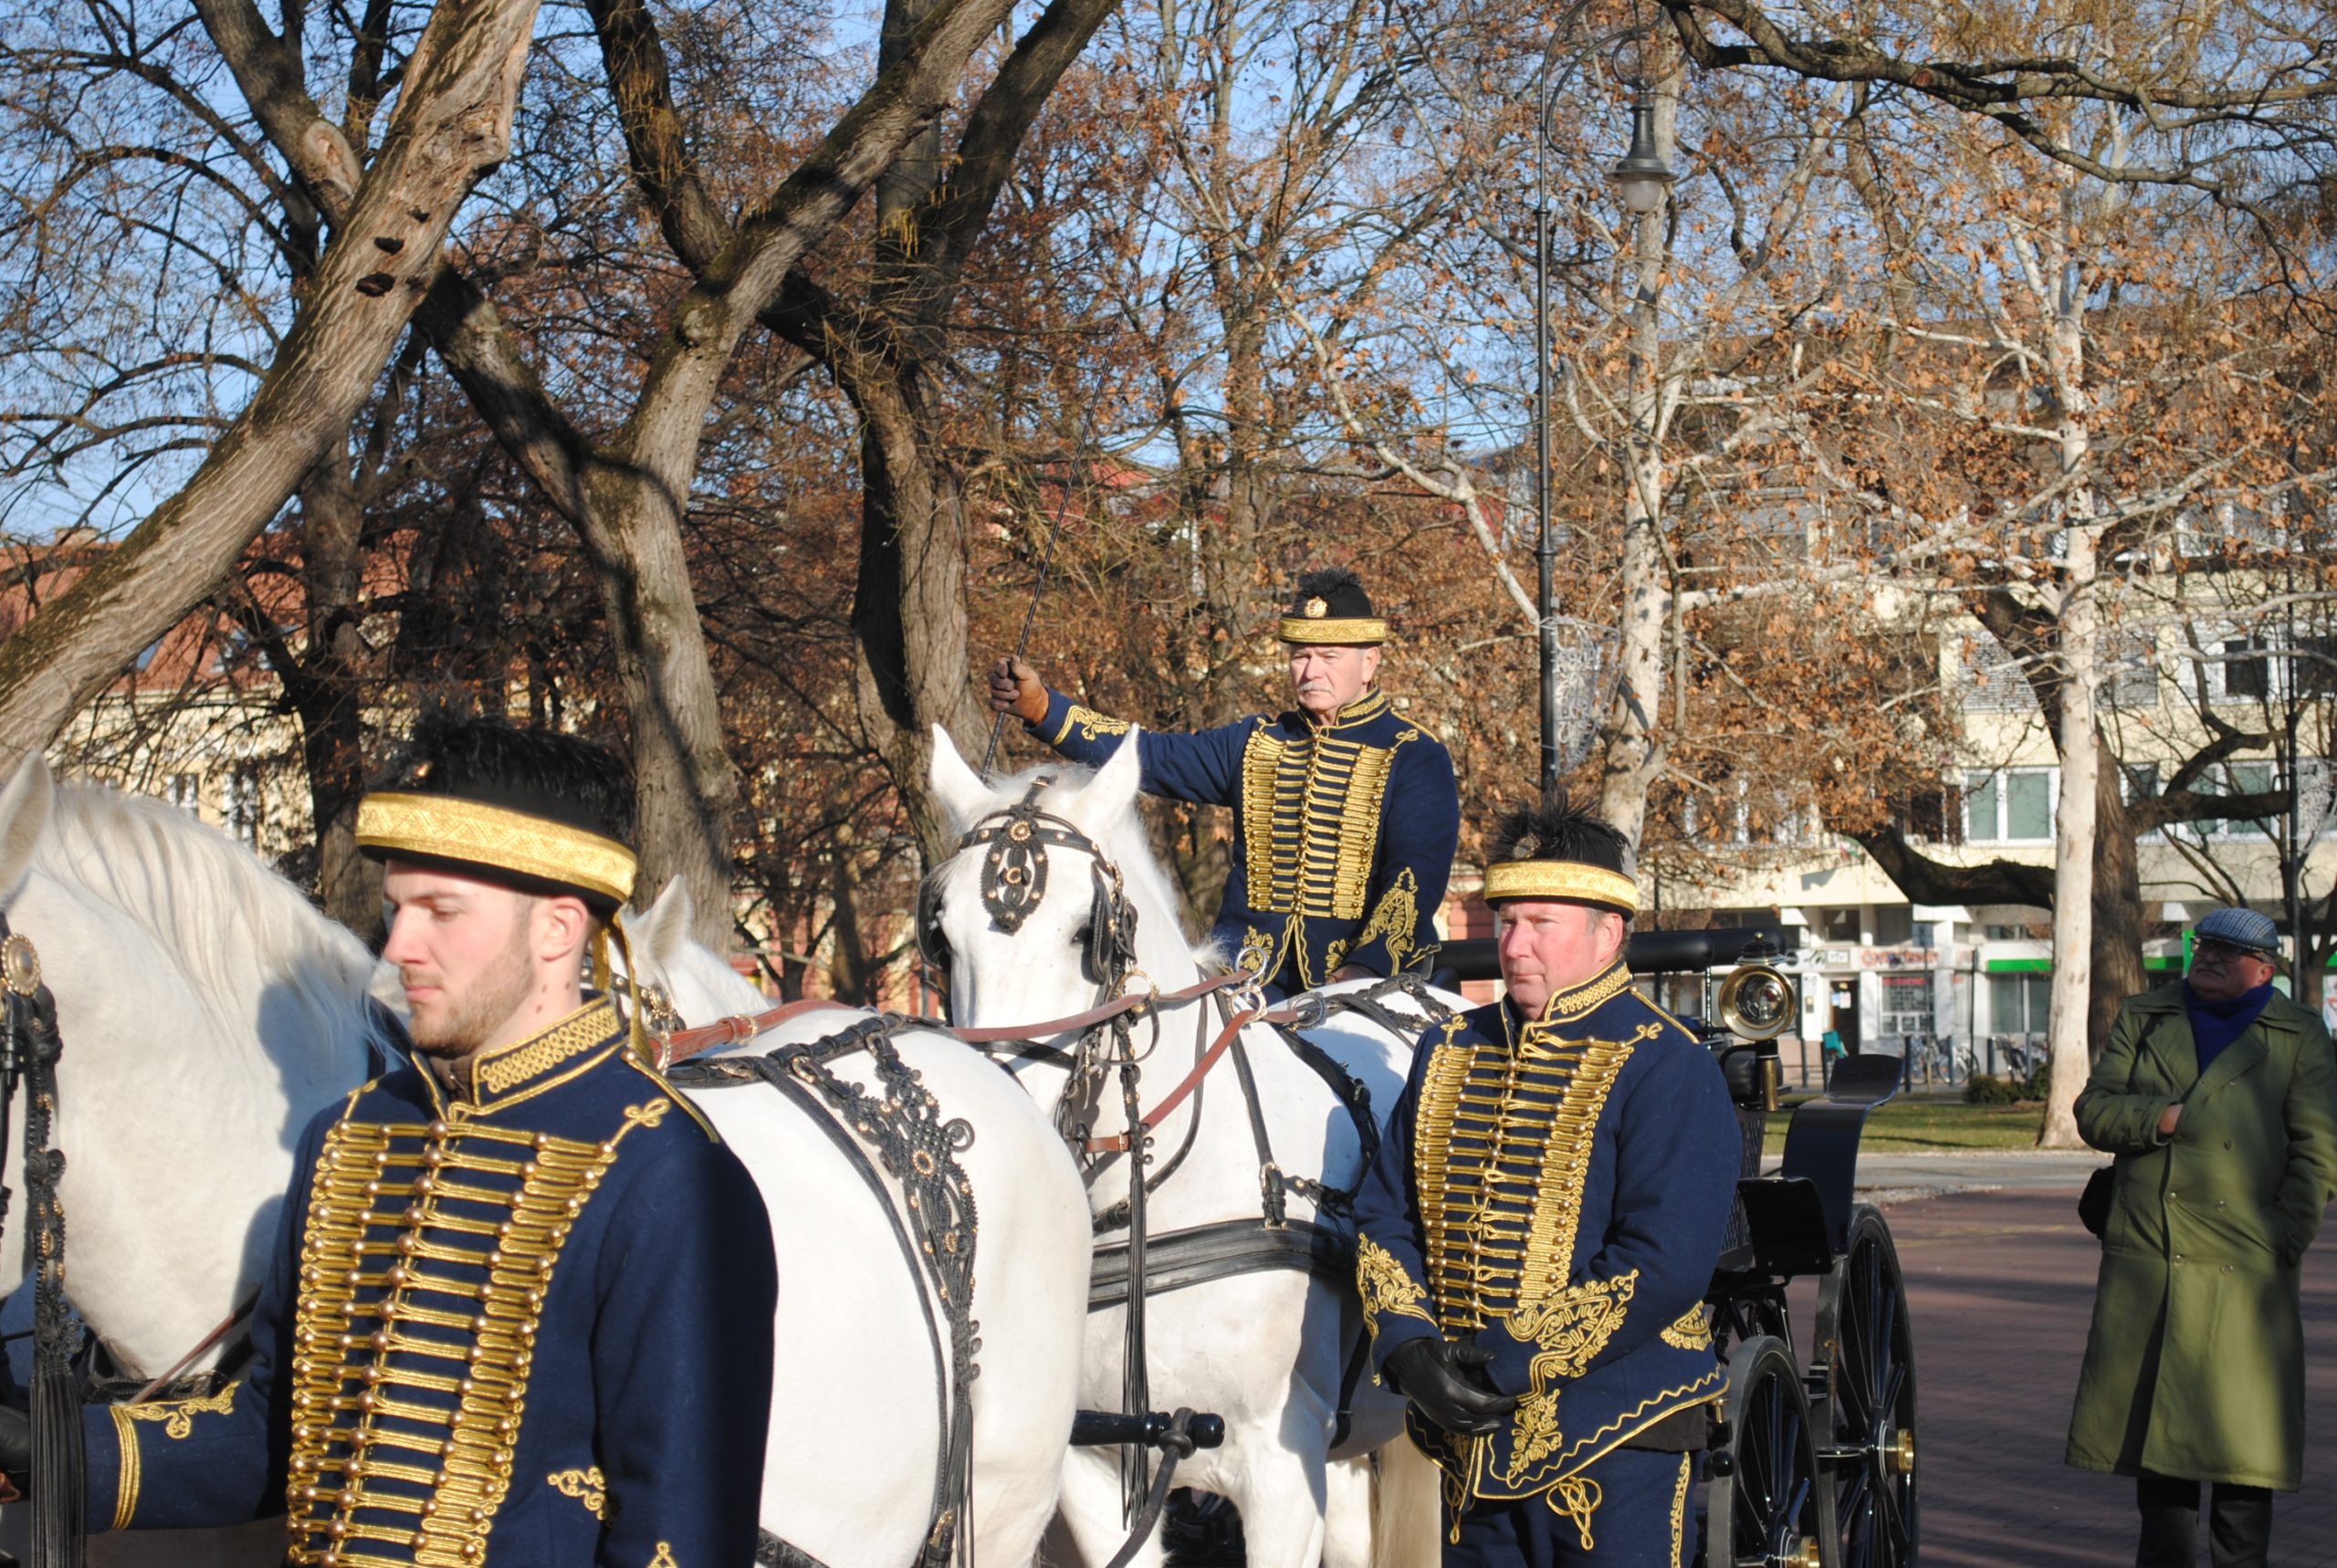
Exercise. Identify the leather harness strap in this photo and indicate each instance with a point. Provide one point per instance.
(1118, 1143)
(684, 1043)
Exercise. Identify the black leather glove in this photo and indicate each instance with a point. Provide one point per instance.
(16, 1447)
(1447, 1384)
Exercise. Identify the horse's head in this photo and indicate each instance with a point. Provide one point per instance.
(1052, 902)
(673, 968)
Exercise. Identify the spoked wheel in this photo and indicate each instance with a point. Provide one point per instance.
(1742, 1314)
(1870, 1458)
(1761, 1499)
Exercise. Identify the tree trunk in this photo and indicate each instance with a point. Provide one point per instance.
(324, 695)
(2118, 970)
(452, 125)
(910, 606)
(684, 784)
(2069, 1023)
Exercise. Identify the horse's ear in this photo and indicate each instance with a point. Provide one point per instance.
(659, 930)
(959, 789)
(23, 817)
(1111, 794)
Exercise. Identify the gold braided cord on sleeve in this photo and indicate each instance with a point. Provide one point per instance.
(444, 827)
(1568, 881)
(125, 1506)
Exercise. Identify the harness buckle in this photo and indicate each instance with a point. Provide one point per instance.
(1271, 1187)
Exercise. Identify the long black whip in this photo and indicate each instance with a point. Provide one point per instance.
(1030, 612)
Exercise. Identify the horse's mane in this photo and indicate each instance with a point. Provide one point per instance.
(239, 926)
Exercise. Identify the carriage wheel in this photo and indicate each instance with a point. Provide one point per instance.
(1871, 1460)
(1741, 1315)
(1761, 1499)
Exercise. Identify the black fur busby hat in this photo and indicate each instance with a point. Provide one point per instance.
(1560, 852)
(1331, 606)
(531, 809)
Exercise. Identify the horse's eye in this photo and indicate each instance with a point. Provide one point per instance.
(1080, 938)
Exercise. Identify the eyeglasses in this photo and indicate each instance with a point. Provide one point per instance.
(2214, 952)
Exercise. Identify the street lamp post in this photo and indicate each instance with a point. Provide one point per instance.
(1643, 178)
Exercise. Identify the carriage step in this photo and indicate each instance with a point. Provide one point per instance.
(1094, 1429)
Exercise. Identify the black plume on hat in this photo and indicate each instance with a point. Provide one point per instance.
(1340, 590)
(1560, 832)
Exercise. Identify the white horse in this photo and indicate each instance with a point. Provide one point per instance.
(854, 1369)
(1267, 1350)
(208, 1011)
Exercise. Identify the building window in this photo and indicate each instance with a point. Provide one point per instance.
(2013, 806)
(1906, 1005)
(1894, 925)
(1839, 925)
(2018, 1004)
(2245, 672)
(241, 807)
(2129, 671)
(185, 791)
(2240, 779)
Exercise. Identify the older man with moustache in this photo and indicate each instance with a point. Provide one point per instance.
(1537, 1233)
(1347, 814)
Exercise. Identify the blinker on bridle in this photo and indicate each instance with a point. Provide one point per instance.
(1015, 842)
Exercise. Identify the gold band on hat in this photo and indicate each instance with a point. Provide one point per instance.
(1358, 630)
(1570, 881)
(445, 828)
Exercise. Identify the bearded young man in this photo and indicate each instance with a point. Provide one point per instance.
(1537, 1235)
(519, 1306)
(1347, 814)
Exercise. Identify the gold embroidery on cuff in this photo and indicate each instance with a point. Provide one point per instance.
(1385, 1287)
(1396, 920)
(665, 1558)
(586, 1486)
(1692, 1331)
(1568, 1332)
(1093, 726)
(177, 1415)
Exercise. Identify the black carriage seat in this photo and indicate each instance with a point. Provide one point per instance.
(1799, 1219)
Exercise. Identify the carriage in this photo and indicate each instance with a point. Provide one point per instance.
(1811, 1464)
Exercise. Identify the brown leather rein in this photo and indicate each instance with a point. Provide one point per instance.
(681, 1044)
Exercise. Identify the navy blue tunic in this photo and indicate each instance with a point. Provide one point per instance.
(1343, 838)
(1559, 1191)
(527, 1322)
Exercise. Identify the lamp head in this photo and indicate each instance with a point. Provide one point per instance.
(1642, 176)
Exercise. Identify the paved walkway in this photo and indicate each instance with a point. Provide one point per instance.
(2002, 1286)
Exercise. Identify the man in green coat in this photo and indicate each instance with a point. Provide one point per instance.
(2219, 1096)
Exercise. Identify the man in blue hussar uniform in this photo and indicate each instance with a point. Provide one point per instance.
(1541, 1225)
(519, 1306)
(1348, 815)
